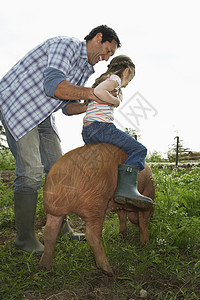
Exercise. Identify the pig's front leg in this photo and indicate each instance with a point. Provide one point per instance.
(51, 230)
(93, 235)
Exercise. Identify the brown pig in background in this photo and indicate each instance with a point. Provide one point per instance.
(83, 182)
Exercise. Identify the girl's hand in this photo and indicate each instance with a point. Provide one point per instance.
(114, 93)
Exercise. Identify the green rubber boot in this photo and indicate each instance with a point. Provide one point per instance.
(25, 211)
(127, 192)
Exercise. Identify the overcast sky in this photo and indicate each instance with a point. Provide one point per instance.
(161, 37)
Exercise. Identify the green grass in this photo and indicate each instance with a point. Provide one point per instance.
(7, 161)
(168, 268)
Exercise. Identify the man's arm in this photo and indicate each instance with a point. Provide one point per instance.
(68, 91)
(76, 108)
(56, 86)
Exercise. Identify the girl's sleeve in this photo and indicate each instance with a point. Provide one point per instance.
(116, 78)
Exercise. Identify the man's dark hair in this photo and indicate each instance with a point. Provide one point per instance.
(108, 34)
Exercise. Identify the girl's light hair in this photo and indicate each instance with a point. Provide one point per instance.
(117, 65)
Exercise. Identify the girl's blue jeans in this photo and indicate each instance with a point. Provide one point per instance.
(34, 153)
(108, 133)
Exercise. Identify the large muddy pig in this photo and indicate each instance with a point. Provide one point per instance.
(83, 182)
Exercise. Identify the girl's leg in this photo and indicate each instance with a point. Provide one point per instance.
(136, 151)
(94, 132)
(126, 191)
(108, 133)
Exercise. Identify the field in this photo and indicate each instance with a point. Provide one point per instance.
(167, 268)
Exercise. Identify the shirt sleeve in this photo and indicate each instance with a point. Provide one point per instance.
(52, 77)
(61, 53)
(116, 78)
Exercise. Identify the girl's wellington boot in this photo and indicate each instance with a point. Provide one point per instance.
(127, 192)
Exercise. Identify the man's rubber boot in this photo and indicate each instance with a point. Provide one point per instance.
(67, 231)
(25, 212)
(127, 192)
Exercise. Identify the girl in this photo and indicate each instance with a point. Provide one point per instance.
(98, 127)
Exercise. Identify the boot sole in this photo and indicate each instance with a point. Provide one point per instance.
(138, 203)
(35, 251)
(120, 200)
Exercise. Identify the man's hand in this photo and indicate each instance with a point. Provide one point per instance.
(76, 108)
(113, 93)
(68, 91)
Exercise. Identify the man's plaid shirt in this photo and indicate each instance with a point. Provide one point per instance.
(23, 101)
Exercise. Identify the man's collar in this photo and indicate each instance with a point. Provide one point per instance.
(83, 50)
(83, 54)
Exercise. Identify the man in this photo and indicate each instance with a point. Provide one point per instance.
(42, 82)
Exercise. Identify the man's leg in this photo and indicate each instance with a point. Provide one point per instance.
(28, 179)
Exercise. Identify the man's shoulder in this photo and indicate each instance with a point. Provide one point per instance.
(64, 40)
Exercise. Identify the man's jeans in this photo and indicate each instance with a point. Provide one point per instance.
(108, 133)
(34, 153)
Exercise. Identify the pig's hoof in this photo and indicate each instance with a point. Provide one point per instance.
(108, 273)
(42, 267)
(123, 234)
(144, 243)
(46, 266)
(106, 270)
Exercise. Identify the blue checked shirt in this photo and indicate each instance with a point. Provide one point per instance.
(23, 101)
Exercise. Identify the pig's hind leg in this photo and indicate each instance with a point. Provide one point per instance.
(143, 224)
(51, 230)
(93, 234)
(122, 215)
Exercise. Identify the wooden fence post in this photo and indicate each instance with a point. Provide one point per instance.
(177, 144)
